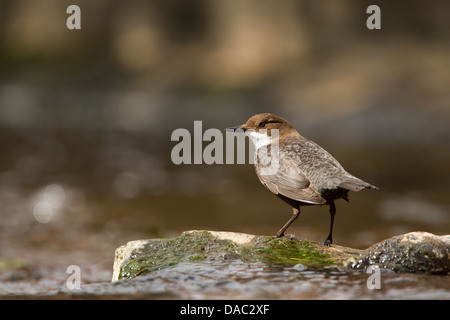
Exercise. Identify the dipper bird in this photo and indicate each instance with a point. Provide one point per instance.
(296, 169)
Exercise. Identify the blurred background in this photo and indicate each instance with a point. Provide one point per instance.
(86, 118)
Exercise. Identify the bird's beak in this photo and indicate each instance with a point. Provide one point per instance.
(235, 129)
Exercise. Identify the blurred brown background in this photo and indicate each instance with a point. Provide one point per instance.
(90, 113)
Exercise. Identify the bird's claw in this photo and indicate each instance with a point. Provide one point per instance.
(289, 236)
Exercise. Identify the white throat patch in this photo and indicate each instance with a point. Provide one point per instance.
(260, 139)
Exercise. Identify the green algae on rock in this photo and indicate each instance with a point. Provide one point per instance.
(145, 256)
(272, 250)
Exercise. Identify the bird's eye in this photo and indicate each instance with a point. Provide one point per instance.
(261, 124)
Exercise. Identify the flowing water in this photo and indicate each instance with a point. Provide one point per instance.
(239, 280)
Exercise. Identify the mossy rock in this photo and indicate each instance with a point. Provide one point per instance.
(145, 256)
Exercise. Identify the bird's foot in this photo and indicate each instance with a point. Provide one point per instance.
(290, 236)
(327, 242)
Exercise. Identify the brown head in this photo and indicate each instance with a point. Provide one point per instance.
(265, 122)
(259, 129)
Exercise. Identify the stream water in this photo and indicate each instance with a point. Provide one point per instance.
(239, 280)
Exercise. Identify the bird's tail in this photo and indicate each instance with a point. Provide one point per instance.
(356, 184)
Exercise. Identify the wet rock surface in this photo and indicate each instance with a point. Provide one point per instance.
(411, 252)
(226, 265)
(142, 257)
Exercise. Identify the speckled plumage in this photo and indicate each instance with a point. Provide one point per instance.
(325, 174)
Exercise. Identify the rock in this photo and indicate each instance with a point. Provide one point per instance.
(415, 252)
(411, 252)
(142, 257)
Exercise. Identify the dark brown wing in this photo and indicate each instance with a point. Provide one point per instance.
(288, 181)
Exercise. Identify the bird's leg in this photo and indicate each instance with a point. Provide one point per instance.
(329, 239)
(295, 214)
